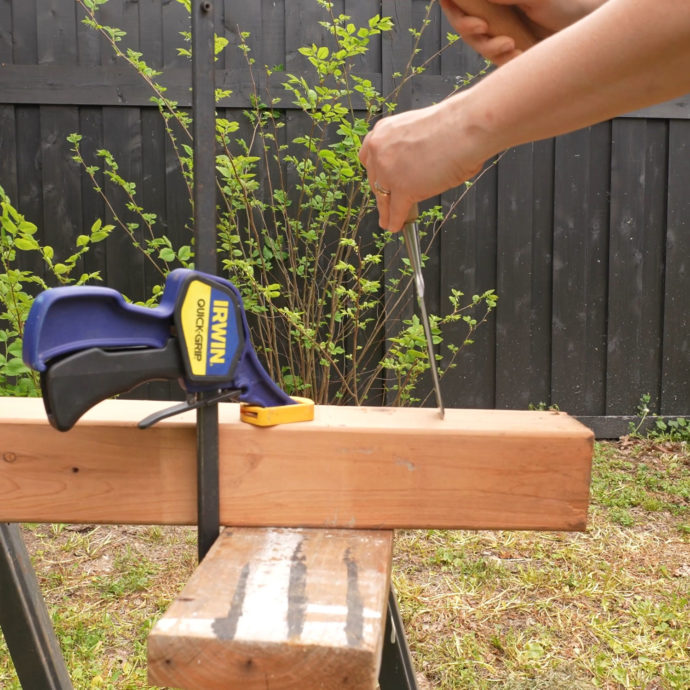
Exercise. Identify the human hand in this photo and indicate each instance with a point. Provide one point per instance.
(497, 33)
(415, 155)
(502, 29)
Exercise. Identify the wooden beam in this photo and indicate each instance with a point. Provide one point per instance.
(295, 609)
(351, 467)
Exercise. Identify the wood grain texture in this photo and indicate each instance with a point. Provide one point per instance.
(279, 608)
(354, 467)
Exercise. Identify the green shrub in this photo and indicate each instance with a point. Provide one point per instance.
(323, 287)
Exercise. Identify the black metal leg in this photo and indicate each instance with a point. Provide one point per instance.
(208, 507)
(24, 618)
(397, 672)
(204, 131)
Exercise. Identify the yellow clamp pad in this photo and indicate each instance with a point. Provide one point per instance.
(301, 411)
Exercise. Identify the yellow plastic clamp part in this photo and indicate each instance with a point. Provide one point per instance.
(301, 411)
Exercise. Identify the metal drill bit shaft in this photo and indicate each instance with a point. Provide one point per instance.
(410, 233)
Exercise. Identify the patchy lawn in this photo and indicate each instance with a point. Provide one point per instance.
(609, 608)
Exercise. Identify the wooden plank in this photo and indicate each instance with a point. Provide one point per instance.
(524, 276)
(675, 365)
(354, 467)
(61, 180)
(93, 208)
(5, 33)
(580, 270)
(636, 259)
(29, 183)
(122, 136)
(280, 608)
(119, 84)
(56, 32)
(8, 151)
(24, 33)
(468, 264)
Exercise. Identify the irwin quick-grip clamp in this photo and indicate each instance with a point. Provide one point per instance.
(89, 344)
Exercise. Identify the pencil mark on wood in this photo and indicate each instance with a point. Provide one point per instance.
(297, 592)
(354, 624)
(225, 628)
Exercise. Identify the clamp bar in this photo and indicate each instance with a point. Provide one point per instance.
(204, 133)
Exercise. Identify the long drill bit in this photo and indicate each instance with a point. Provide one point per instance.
(410, 234)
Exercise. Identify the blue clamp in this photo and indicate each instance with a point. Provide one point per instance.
(89, 344)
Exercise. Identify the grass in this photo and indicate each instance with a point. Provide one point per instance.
(608, 608)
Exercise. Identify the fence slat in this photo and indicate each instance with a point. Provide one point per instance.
(24, 34)
(675, 367)
(8, 151)
(61, 180)
(523, 273)
(638, 169)
(580, 264)
(468, 264)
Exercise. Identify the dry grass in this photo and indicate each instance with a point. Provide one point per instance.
(605, 609)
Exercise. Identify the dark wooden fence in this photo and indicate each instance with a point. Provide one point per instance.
(586, 238)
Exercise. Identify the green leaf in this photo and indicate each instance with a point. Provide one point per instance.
(166, 254)
(15, 367)
(26, 244)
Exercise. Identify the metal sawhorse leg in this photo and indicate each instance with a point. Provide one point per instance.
(24, 618)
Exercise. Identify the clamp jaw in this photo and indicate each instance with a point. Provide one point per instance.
(88, 344)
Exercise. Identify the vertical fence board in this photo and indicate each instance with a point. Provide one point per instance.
(29, 183)
(56, 32)
(272, 36)
(580, 263)
(468, 251)
(90, 46)
(61, 181)
(122, 137)
(175, 22)
(636, 262)
(524, 274)
(92, 205)
(8, 151)
(24, 32)
(675, 368)
(5, 33)
(151, 39)
(360, 12)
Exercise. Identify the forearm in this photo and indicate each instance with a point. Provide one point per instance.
(626, 55)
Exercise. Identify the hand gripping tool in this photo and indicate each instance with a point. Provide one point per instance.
(89, 344)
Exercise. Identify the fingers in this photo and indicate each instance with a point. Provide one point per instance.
(462, 23)
(475, 32)
(378, 187)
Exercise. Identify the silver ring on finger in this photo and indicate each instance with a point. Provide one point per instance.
(381, 190)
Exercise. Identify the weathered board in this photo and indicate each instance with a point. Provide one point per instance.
(353, 467)
(295, 609)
